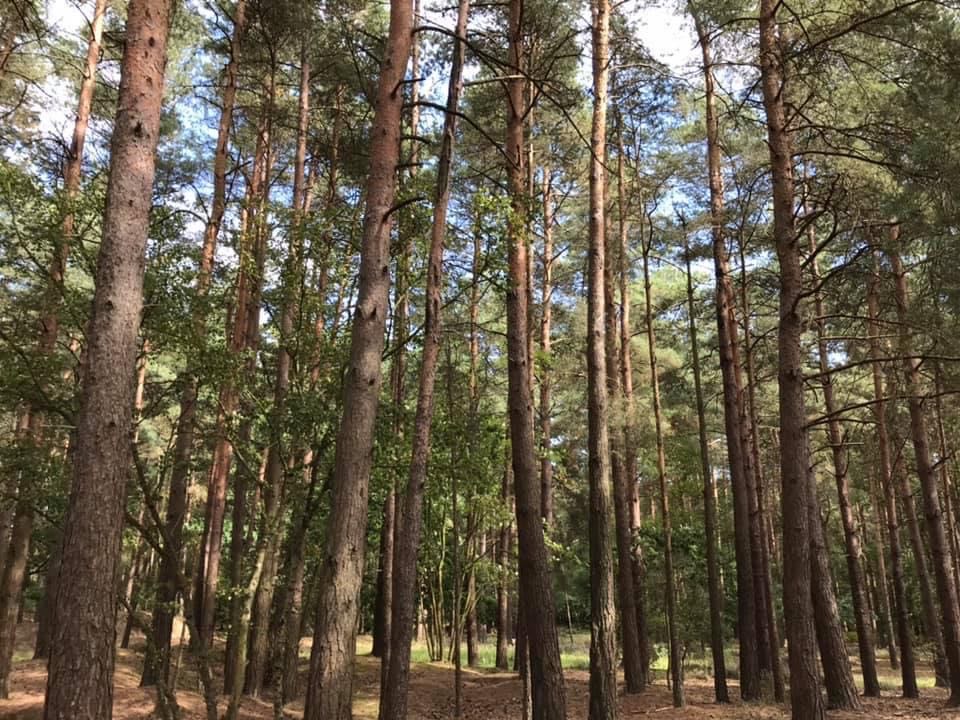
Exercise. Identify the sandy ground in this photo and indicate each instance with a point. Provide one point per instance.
(486, 696)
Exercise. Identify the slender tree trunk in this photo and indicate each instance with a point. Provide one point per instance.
(709, 504)
(633, 669)
(157, 661)
(673, 630)
(946, 486)
(902, 610)
(19, 519)
(851, 533)
(14, 572)
(503, 577)
(630, 473)
(939, 547)
(80, 682)
(805, 693)
(549, 697)
(292, 282)
(750, 685)
(329, 695)
(546, 321)
(393, 698)
(243, 336)
(837, 673)
(767, 631)
(603, 616)
(928, 603)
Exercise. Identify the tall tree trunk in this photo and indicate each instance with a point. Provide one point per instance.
(805, 693)
(837, 673)
(714, 590)
(902, 610)
(767, 630)
(851, 533)
(670, 590)
(30, 423)
(549, 697)
(603, 616)
(246, 340)
(633, 669)
(546, 320)
(503, 575)
(14, 572)
(292, 282)
(928, 603)
(80, 682)
(939, 546)
(329, 695)
(946, 486)
(393, 697)
(244, 334)
(630, 473)
(750, 685)
(157, 661)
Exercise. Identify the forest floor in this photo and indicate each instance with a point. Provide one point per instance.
(486, 694)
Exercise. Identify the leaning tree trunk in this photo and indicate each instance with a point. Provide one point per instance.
(549, 696)
(936, 532)
(393, 697)
(329, 696)
(603, 617)
(901, 606)
(502, 661)
(80, 678)
(805, 694)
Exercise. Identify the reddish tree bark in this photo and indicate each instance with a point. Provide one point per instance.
(80, 683)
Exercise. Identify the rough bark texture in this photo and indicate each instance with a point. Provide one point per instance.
(393, 697)
(901, 607)
(549, 697)
(933, 517)
(837, 673)
(805, 694)
(80, 682)
(603, 671)
(329, 695)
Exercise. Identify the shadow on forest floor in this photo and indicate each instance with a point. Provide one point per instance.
(487, 694)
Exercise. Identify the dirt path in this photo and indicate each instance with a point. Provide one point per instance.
(486, 696)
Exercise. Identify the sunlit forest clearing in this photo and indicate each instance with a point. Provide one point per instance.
(566, 360)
